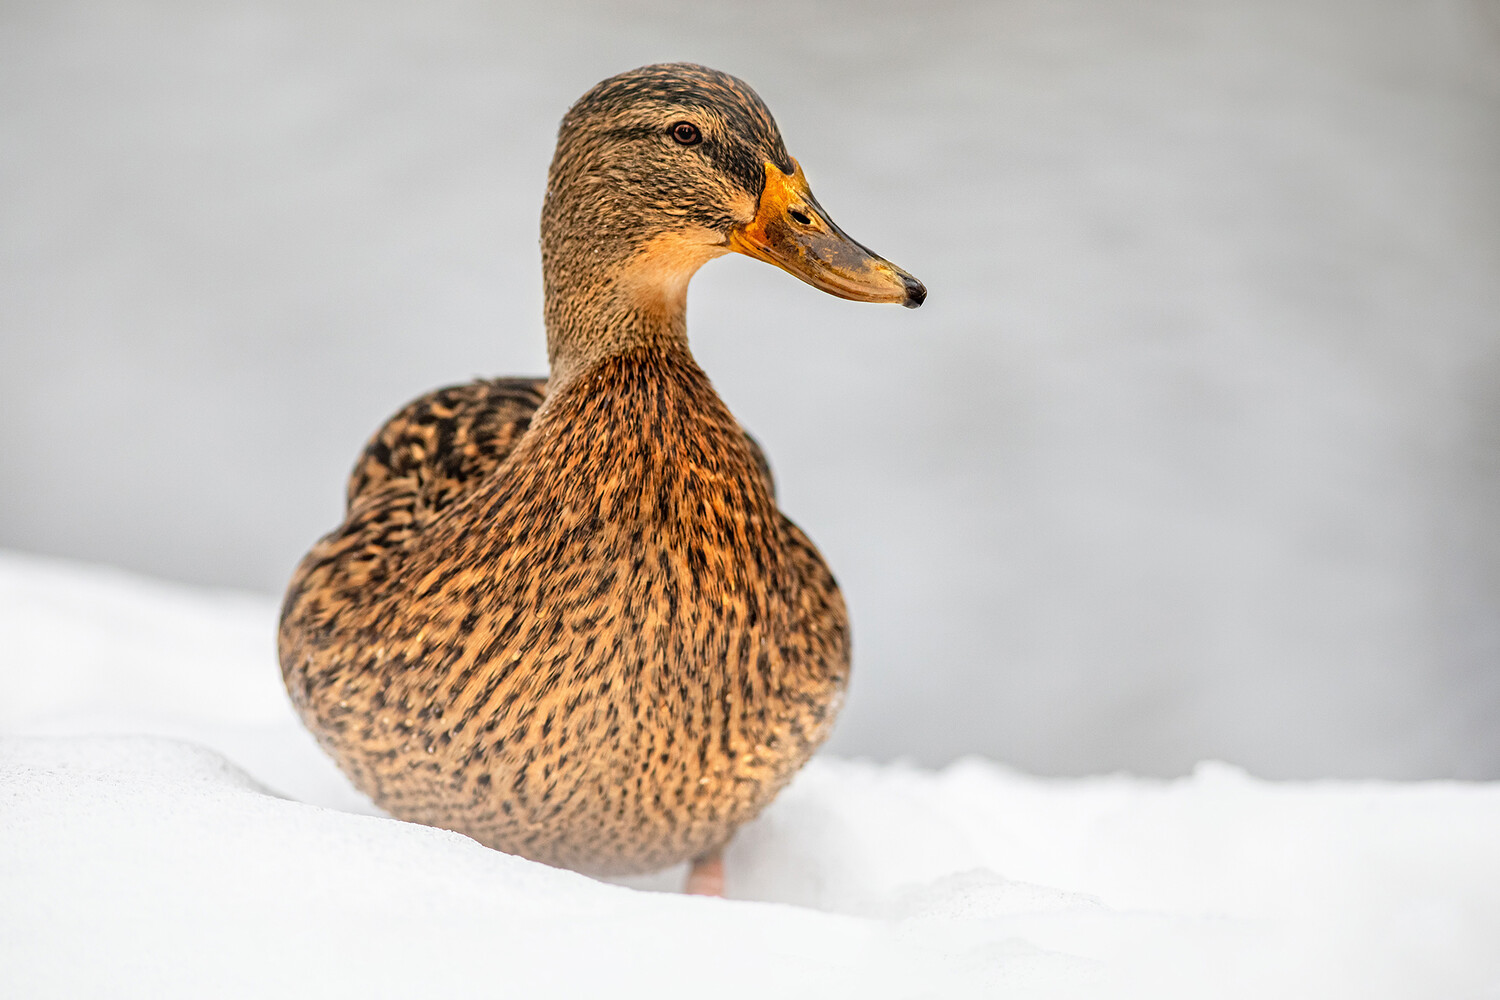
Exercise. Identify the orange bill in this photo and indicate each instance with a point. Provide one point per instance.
(791, 230)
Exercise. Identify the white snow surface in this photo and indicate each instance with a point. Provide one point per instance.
(171, 831)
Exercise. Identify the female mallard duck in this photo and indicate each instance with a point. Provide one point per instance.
(565, 617)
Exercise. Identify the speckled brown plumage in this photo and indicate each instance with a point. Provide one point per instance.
(566, 617)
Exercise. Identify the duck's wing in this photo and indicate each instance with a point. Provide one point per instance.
(440, 446)
(426, 458)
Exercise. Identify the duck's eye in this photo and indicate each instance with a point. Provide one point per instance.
(686, 133)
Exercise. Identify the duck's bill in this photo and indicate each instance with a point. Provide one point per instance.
(791, 230)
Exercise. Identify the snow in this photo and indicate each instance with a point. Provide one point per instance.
(170, 831)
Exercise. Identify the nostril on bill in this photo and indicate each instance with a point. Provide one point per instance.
(800, 217)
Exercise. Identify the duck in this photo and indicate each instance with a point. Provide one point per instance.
(565, 616)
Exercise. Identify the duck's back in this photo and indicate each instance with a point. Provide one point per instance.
(589, 638)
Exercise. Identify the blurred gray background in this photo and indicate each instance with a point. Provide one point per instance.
(1194, 451)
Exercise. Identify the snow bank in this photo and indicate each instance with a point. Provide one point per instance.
(141, 861)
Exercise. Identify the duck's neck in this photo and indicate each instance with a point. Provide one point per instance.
(590, 324)
(607, 295)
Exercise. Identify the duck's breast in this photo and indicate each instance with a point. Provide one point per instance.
(615, 652)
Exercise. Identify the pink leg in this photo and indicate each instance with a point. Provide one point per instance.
(706, 878)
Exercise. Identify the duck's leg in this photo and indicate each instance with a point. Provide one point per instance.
(706, 877)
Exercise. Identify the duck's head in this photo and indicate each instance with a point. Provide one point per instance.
(663, 168)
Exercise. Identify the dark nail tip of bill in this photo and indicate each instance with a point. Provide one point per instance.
(916, 292)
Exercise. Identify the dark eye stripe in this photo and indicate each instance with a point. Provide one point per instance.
(738, 162)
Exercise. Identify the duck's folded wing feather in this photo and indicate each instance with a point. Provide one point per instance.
(441, 445)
